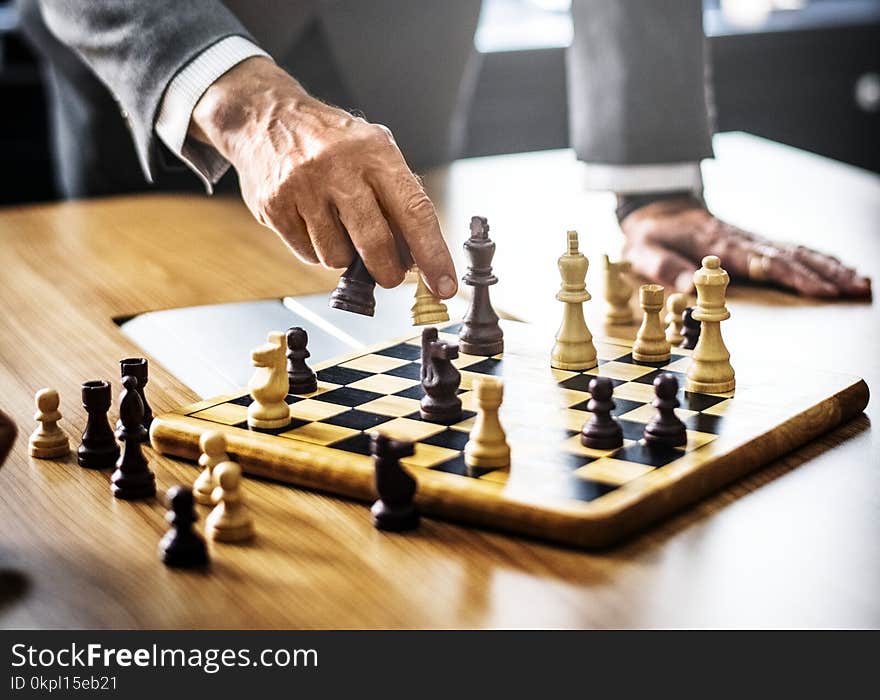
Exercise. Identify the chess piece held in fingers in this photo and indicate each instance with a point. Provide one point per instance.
(427, 309)
(355, 291)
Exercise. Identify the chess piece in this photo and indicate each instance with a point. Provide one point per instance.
(8, 432)
(574, 347)
(354, 292)
(48, 441)
(132, 479)
(691, 329)
(268, 385)
(440, 380)
(480, 333)
(301, 378)
(675, 306)
(213, 446)
(665, 428)
(98, 449)
(651, 344)
(395, 509)
(138, 367)
(427, 309)
(230, 521)
(601, 431)
(710, 371)
(487, 446)
(618, 292)
(182, 546)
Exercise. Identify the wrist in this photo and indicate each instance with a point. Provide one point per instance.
(237, 100)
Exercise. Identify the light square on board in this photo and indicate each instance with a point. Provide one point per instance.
(408, 429)
(320, 433)
(680, 365)
(609, 351)
(646, 412)
(314, 409)
(224, 413)
(633, 391)
(696, 439)
(463, 360)
(573, 445)
(374, 363)
(395, 406)
(428, 456)
(384, 384)
(620, 370)
(612, 471)
(719, 409)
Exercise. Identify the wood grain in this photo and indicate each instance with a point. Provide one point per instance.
(785, 546)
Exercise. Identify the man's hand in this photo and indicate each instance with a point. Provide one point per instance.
(321, 178)
(667, 239)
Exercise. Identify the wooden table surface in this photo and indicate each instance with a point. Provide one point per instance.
(796, 544)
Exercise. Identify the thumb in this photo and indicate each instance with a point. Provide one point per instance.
(661, 265)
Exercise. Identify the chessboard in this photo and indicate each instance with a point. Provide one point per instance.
(555, 488)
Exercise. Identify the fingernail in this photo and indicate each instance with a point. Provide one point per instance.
(685, 282)
(446, 286)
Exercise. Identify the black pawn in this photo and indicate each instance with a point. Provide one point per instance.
(395, 510)
(665, 427)
(602, 431)
(440, 380)
(355, 290)
(98, 449)
(138, 368)
(132, 479)
(480, 333)
(182, 546)
(302, 378)
(690, 330)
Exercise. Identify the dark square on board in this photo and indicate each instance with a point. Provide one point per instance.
(403, 351)
(359, 444)
(488, 366)
(341, 375)
(413, 370)
(347, 396)
(650, 456)
(357, 420)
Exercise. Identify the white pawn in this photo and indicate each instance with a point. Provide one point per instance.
(269, 384)
(230, 521)
(675, 306)
(574, 347)
(213, 446)
(48, 441)
(487, 446)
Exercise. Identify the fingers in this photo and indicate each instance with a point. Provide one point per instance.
(292, 229)
(661, 264)
(411, 212)
(372, 238)
(845, 278)
(788, 272)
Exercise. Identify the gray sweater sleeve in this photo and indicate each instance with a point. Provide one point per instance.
(136, 47)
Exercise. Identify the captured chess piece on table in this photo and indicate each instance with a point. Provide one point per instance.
(48, 441)
(132, 479)
(573, 349)
(440, 380)
(487, 447)
(355, 291)
(395, 510)
(480, 333)
(675, 306)
(710, 371)
(665, 428)
(139, 368)
(182, 546)
(230, 521)
(427, 309)
(601, 431)
(618, 292)
(269, 385)
(301, 378)
(98, 449)
(651, 344)
(8, 431)
(212, 444)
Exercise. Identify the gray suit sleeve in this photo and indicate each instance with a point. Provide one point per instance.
(136, 47)
(637, 88)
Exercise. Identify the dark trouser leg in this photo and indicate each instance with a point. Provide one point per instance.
(636, 73)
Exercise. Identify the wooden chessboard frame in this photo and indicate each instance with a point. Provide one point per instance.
(774, 410)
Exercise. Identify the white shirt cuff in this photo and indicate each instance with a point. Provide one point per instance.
(638, 179)
(181, 96)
